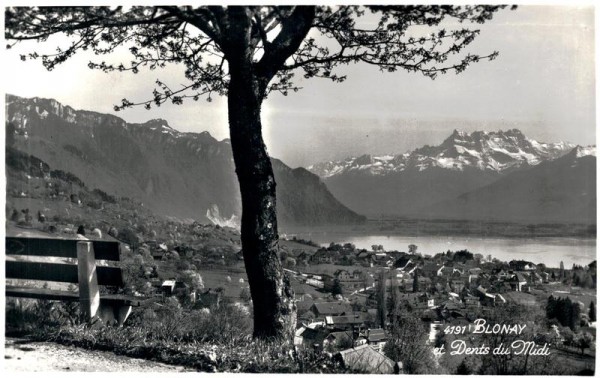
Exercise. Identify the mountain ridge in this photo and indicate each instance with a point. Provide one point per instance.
(175, 173)
(559, 190)
(494, 151)
(408, 185)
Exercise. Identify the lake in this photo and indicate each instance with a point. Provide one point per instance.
(548, 250)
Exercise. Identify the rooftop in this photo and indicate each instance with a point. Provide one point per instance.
(364, 359)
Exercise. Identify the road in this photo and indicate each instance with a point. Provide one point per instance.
(21, 355)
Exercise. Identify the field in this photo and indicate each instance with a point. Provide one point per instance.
(215, 278)
(586, 296)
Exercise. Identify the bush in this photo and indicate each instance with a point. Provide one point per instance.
(218, 339)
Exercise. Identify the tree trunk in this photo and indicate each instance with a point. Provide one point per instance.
(274, 309)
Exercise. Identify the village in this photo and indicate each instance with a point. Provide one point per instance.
(350, 300)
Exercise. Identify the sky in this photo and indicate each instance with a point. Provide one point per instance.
(543, 83)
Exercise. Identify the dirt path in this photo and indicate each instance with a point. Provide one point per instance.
(26, 356)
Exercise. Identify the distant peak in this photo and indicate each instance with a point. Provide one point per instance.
(363, 159)
(580, 151)
(158, 122)
(514, 132)
(458, 133)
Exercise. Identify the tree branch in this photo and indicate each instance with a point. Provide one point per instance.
(293, 31)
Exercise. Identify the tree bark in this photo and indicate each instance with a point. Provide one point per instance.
(274, 309)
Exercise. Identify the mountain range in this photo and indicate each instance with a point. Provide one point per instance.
(483, 175)
(500, 151)
(183, 175)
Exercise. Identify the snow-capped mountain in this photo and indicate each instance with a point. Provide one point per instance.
(410, 184)
(559, 190)
(580, 151)
(488, 151)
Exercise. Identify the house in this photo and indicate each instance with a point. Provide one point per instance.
(167, 288)
(376, 338)
(535, 278)
(322, 256)
(365, 258)
(517, 281)
(349, 281)
(310, 337)
(545, 277)
(321, 310)
(343, 275)
(402, 262)
(364, 359)
(176, 288)
(316, 282)
(347, 321)
(485, 298)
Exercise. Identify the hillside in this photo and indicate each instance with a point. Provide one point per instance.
(554, 191)
(172, 173)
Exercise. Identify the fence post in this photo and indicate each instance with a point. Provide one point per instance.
(89, 293)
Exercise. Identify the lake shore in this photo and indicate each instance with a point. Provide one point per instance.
(449, 227)
(547, 250)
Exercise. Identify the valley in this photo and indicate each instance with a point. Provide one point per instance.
(187, 264)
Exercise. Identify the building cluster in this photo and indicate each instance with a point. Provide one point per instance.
(448, 288)
(352, 335)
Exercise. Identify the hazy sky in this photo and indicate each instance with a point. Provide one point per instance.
(543, 83)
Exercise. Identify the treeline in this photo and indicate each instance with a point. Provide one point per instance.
(568, 313)
(583, 277)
